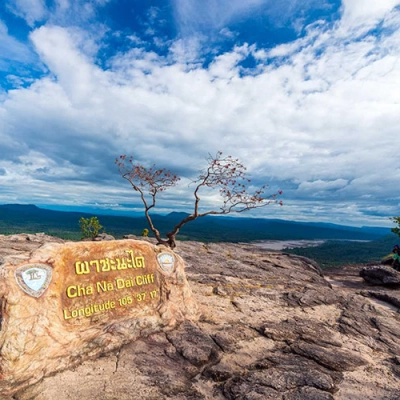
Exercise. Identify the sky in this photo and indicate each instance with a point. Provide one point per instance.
(305, 93)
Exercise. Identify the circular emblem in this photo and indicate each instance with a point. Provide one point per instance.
(166, 262)
(34, 279)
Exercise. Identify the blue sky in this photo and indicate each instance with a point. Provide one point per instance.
(305, 93)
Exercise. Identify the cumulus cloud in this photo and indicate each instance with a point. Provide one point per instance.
(317, 117)
(59, 50)
(31, 10)
(365, 14)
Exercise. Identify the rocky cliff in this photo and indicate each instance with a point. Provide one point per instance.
(271, 326)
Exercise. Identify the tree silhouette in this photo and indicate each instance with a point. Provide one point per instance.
(226, 173)
(396, 230)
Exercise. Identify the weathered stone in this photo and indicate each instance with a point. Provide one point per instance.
(195, 346)
(241, 388)
(389, 333)
(103, 236)
(390, 298)
(281, 381)
(292, 362)
(226, 341)
(308, 393)
(365, 321)
(311, 296)
(219, 373)
(301, 329)
(335, 359)
(356, 317)
(74, 301)
(380, 275)
(395, 364)
(239, 359)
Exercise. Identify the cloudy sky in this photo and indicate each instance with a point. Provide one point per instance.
(305, 92)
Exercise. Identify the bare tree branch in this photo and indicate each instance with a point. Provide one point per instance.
(226, 173)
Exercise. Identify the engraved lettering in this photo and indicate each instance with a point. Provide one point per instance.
(105, 265)
(96, 263)
(104, 286)
(144, 279)
(90, 310)
(124, 283)
(131, 261)
(79, 291)
(121, 264)
(82, 268)
(139, 261)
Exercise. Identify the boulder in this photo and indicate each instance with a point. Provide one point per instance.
(103, 236)
(380, 275)
(67, 302)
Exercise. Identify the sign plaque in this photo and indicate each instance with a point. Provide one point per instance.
(166, 262)
(34, 279)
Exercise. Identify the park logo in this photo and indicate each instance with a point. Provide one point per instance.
(166, 262)
(34, 279)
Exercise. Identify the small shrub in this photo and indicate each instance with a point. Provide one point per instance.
(90, 227)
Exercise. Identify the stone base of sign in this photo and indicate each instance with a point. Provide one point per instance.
(73, 301)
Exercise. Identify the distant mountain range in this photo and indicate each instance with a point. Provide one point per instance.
(17, 218)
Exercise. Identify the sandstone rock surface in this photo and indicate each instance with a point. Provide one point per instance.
(271, 327)
(67, 302)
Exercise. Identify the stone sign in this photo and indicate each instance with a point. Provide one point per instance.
(74, 301)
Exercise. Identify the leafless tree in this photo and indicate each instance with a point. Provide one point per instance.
(226, 173)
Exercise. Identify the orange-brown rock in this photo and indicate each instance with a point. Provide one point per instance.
(67, 302)
(271, 326)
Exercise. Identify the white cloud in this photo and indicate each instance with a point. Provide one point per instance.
(228, 33)
(11, 49)
(59, 50)
(322, 124)
(210, 15)
(31, 10)
(225, 66)
(320, 185)
(363, 14)
(58, 12)
(136, 40)
(186, 51)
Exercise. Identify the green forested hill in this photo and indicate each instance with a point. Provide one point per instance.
(16, 218)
